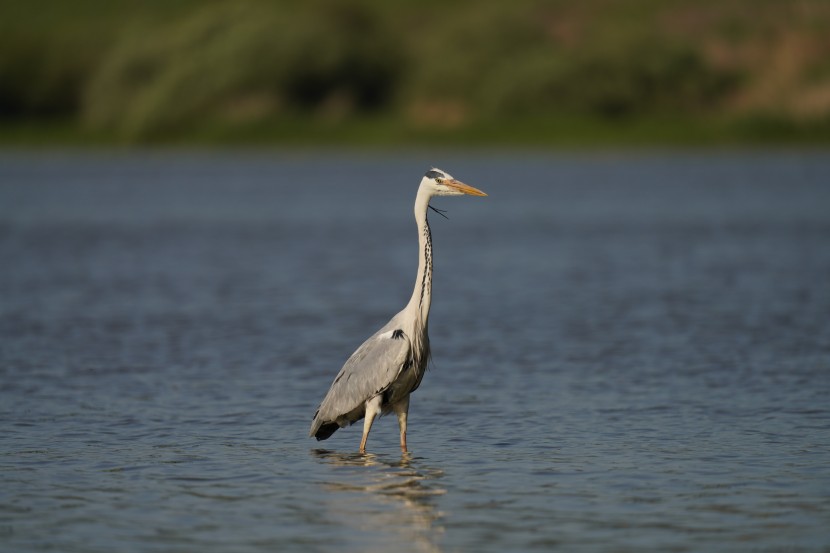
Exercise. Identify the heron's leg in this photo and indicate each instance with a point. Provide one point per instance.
(401, 409)
(372, 410)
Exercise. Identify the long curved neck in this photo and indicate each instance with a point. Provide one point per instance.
(422, 294)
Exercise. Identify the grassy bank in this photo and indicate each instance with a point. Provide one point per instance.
(382, 133)
(370, 73)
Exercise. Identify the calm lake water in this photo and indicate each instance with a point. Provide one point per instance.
(630, 353)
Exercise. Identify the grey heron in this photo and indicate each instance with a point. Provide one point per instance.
(387, 367)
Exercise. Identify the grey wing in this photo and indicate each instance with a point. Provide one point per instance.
(369, 371)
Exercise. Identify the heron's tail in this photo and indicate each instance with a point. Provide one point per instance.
(322, 430)
(326, 430)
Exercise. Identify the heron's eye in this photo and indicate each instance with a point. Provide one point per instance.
(439, 180)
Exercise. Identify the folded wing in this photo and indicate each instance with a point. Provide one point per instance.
(368, 372)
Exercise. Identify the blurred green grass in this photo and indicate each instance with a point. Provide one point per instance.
(380, 74)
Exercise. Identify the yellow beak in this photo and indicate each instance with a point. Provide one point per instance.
(464, 188)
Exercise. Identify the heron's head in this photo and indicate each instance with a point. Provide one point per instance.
(441, 183)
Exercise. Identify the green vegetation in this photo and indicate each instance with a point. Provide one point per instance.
(525, 73)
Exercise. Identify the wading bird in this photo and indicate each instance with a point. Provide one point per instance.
(389, 366)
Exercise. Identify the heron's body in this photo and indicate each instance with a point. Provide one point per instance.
(388, 367)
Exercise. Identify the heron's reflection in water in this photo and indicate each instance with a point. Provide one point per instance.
(389, 499)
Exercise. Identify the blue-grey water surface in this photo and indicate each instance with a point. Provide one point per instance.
(630, 353)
